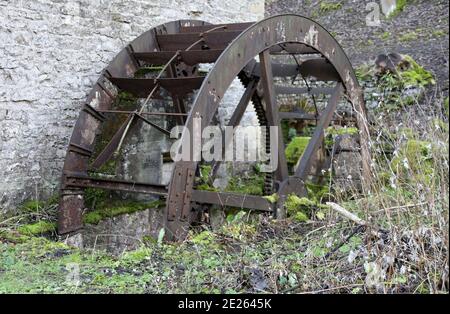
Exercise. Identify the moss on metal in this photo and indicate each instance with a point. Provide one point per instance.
(295, 149)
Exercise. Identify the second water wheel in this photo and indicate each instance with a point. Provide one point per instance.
(261, 55)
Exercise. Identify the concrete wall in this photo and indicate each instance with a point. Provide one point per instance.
(52, 52)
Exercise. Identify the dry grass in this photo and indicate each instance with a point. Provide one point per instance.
(409, 200)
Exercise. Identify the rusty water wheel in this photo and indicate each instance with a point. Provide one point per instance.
(245, 51)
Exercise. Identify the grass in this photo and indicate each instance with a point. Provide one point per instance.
(409, 36)
(325, 7)
(439, 33)
(385, 35)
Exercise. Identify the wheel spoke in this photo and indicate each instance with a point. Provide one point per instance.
(273, 118)
(236, 118)
(113, 144)
(316, 140)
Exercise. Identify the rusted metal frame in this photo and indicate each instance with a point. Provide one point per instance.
(162, 130)
(236, 118)
(112, 145)
(177, 100)
(307, 116)
(130, 51)
(246, 46)
(191, 57)
(156, 113)
(93, 112)
(71, 202)
(141, 86)
(79, 181)
(215, 28)
(181, 41)
(204, 28)
(80, 149)
(106, 90)
(297, 116)
(171, 71)
(179, 197)
(195, 43)
(301, 72)
(307, 159)
(292, 48)
(317, 67)
(290, 90)
(272, 114)
(226, 199)
(321, 69)
(116, 142)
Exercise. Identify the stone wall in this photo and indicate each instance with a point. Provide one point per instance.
(51, 54)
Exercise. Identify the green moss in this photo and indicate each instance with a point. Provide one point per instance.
(295, 149)
(326, 7)
(272, 198)
(93, 217)
(317, 192)
(31, 206)
(438, 33)
(205, 171)
(300, 216)
(205, 187)
(96, 197)
(137, 256)
(143, 71)
(385, 35)
(108, 167)
(410, 36)
(364, 72)
(38, 228)
(392, 85)
(12, 236)
(299, 207)
(117, 208)
(204, 181)
(416, 75)
(253, 185)
(125, 101)
(203, 238)
(240, 231)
